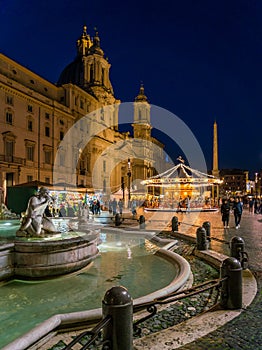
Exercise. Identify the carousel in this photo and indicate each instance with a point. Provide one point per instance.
(180, 188)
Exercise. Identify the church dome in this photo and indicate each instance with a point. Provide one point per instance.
(71, 73)
(75, 72)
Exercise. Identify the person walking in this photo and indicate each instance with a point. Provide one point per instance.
(187, 200)
(251, 205)
(114, 206)
(120, 206)
(238, 209)
(225, 211)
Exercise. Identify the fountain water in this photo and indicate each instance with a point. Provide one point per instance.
(62, 273)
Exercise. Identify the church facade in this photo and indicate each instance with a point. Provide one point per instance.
(37, 117)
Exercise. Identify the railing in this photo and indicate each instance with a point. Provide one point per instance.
(115, 331)
(174, 297)
(94, 334)
(12, 159)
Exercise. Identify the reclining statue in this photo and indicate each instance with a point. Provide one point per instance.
(34, 223)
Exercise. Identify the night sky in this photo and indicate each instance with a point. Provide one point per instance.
(201, 60)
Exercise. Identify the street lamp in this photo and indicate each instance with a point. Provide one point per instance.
(129, 179)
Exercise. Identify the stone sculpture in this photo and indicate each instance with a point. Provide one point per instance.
(34, 222)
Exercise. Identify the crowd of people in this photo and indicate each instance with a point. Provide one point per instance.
(235, 206)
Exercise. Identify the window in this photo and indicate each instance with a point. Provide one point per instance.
(9, 117)
(30, 125)
(104, 165)
(47, 155)
(103, 76)
(30, 152)
(29, 178)
(47, 131)
(61, 135)
(47, 180)
(47, 116)
(29, 108)
(82, 104)
(9, 148)
(9, 100)
(61, 122)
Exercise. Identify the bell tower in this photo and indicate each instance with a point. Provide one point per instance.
(141, 126)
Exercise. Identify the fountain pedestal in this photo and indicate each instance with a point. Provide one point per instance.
(52, 258)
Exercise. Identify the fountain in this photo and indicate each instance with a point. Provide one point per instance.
(63, 259)
(40, 250)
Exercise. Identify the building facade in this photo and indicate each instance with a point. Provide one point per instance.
(60, 133)
(235, 182)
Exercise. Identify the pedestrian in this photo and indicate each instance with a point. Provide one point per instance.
(238, 209)
(256, 206)
(114, 205)
(120, 206)
(97, 207)
(133, 208)
(188, 204)
(110, 206)
(225, 211)
(180, 206)
(251, 205)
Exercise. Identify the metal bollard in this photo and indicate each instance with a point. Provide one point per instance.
(118, 219)
(237, 247)
(201, 240)
(231, 291)
(207, 227)
(175, 223)
(142, 222)
(118, 304)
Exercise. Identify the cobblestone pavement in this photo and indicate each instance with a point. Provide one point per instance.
(244, 332)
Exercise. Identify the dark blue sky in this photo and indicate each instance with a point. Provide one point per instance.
(199, 59)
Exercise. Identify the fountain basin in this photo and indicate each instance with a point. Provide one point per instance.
(45, 259)
(42, 258)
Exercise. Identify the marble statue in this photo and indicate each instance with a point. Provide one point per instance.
(34, 222)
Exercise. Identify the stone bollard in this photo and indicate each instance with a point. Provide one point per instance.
(201, 240)
(142, 222)
(175, 223)
(231, 291)
(118, 220)
(237, 247)
(207, 227)
(118, 304)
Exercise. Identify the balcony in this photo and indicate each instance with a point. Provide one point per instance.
(12, 160)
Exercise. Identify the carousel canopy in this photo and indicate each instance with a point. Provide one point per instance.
(182, 174)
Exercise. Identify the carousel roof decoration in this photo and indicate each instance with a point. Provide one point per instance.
(182, 174)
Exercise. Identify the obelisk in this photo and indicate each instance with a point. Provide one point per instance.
(215, 171)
